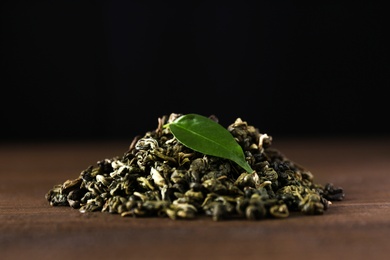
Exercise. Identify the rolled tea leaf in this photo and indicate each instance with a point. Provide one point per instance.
(206, 136)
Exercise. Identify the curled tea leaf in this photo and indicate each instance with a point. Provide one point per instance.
(208, 137)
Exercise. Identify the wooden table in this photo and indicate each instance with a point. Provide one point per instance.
(356, 228)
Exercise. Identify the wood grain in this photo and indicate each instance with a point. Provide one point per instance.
(356, 228)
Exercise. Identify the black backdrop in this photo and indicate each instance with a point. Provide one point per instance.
(109, 69)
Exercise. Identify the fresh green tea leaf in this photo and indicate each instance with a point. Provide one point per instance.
(206, 136)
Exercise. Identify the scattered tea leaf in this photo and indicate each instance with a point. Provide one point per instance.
(140, 185)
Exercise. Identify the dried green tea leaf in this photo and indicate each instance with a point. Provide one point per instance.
(158, 176)
(206, 136)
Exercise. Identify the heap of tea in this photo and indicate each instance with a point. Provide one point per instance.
(192, 166)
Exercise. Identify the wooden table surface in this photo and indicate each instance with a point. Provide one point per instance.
(356, 228)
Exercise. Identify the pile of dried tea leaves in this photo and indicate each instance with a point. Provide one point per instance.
(160, 177)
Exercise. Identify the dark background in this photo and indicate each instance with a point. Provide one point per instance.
(108, 69)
